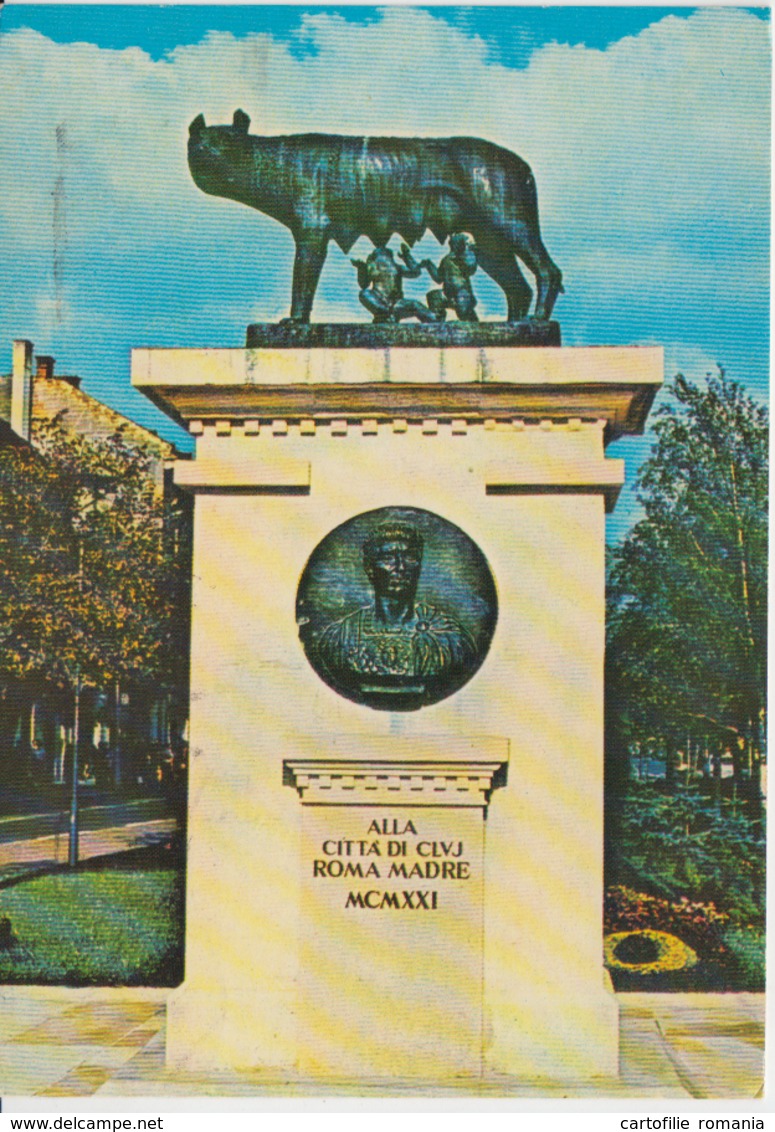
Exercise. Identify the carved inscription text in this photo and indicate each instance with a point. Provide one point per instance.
(391, 852)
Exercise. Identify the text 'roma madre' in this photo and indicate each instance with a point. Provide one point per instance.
(438, 860)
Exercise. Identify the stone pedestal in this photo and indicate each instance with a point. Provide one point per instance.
(491, 967)
(383, 898)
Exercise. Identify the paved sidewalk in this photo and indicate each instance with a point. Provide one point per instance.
(56, 1042)
(111, 1044)
(38, 854)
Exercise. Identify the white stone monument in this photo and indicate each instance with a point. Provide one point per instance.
(406, 888)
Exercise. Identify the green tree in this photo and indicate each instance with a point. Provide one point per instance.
(687, 586)
(89, 582)
(686, 680)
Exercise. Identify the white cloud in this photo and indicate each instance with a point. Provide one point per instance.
(691, 360)
(653, 129)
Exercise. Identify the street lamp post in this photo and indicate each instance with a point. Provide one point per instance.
(90, 485)
(72, 846)
(72, 849)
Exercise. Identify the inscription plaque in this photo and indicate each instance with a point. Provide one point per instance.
(392, 939)
(392, 873)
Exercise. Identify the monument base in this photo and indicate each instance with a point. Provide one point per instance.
(551, 1032)
(226, 1028)
(548, 1035)
(527, 332)
(407, 895)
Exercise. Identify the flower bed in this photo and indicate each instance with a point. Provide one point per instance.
(689, 949)
(698, 925)
(645, 952)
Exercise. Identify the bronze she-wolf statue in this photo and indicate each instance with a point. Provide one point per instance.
(329, 187)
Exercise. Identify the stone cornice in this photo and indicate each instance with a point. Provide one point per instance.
(616, 384)
(337, 782)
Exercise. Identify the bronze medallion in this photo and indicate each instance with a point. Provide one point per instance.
(396, 608)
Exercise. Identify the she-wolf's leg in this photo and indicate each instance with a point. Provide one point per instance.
(497, 260)
(530, 247)
(310, 257)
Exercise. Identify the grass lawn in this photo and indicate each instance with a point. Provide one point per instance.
(114, 924)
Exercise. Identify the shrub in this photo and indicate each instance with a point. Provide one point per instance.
(683, 844)
(746, 946)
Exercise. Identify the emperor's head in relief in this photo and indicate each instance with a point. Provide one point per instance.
(395, 636)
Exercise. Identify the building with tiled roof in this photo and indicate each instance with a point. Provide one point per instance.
(29, 395)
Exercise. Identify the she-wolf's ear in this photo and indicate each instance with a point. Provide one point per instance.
(241, 121)
(197, 126)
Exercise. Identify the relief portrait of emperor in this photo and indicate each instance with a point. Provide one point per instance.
(409, 644)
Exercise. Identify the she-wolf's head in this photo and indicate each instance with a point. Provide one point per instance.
(218, 155)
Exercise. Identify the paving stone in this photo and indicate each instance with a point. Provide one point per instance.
(703, 1047)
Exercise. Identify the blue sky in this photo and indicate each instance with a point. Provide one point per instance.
(647, 130)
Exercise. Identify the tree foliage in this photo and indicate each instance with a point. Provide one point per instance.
(88, 588)
(686, 683)
(687, 587)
